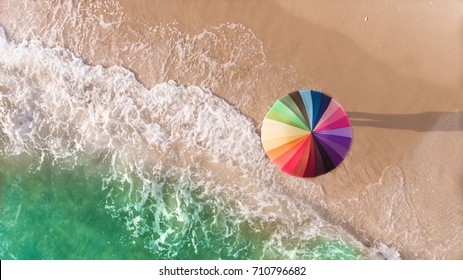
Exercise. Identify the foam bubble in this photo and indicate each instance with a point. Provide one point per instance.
(388, 252)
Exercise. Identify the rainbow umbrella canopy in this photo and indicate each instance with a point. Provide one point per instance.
(306, 133)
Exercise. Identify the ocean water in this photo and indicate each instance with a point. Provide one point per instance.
(61, 214)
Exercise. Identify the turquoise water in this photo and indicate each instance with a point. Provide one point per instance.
(78, 213)
(60, 214)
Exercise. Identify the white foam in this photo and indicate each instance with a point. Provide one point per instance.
(386, 252)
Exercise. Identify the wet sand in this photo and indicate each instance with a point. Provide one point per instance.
(391, 66)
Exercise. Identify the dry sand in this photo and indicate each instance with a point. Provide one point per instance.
(395, 66)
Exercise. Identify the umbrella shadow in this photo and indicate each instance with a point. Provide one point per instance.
(426, 121)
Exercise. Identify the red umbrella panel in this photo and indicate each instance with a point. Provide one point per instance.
(306, 133)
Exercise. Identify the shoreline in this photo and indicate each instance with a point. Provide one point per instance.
(388, 106)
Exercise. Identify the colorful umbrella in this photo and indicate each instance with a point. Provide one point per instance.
(306, 133)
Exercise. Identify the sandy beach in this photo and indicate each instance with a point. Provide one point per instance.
(395, 67)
